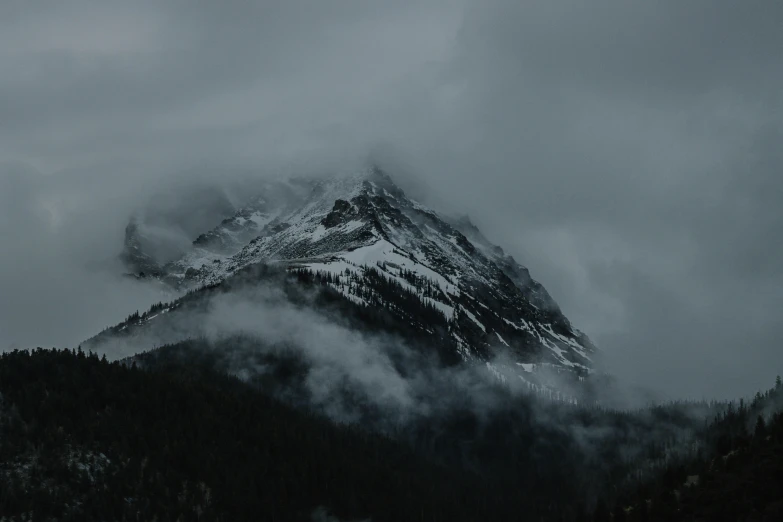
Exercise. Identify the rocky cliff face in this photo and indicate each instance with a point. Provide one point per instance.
(362, 236)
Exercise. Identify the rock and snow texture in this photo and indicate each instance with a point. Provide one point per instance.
(362, 227)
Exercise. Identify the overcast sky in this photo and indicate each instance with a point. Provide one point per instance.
(628, 152)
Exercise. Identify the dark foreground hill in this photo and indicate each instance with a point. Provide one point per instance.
(84, 439)
(88, 440)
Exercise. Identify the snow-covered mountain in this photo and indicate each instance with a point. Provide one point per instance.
(361, 232)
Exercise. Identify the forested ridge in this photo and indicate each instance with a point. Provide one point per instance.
(85, 439)
(738, 476)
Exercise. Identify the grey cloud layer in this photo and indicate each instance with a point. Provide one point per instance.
(627, 152)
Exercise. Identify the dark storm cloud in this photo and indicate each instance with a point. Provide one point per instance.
(627, 152)
(631, 152)
(181, 80)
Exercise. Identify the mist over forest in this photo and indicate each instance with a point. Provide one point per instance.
(421, 260)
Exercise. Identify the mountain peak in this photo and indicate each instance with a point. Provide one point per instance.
(370, 179)
(361, 230)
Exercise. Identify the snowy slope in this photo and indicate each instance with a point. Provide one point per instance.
(359, 227)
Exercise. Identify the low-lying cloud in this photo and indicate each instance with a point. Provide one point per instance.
(260, 320)
(627, 153)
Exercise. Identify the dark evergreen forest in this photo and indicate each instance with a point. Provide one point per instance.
(85, 439)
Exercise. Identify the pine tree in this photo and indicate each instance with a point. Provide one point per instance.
(761, 428)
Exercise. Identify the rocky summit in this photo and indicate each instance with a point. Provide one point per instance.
(362, 236)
